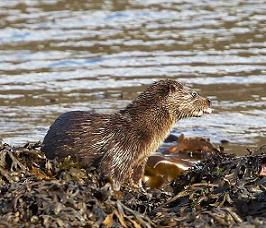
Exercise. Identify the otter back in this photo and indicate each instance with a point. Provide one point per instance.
(77, 134)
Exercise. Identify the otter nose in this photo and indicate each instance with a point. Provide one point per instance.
(209, 102)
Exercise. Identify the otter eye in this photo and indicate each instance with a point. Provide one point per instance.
(193, 94)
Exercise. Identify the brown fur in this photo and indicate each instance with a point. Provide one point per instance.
(121, 142)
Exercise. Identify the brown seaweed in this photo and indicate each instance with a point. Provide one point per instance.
(223, 190)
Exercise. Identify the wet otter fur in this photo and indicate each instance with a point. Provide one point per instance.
(120, 143)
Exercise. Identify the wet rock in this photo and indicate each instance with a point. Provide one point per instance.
(195, 147)
(171, 138)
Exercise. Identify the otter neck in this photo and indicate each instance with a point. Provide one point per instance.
(154, 119)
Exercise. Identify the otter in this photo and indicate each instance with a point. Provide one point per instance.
(119, 144)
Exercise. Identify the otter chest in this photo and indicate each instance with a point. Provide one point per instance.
(155, 141)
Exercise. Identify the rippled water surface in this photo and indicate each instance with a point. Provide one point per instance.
(57, 56)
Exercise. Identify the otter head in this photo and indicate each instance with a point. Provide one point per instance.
(168, 99)
(181, 101)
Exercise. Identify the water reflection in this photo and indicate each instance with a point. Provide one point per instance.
(57, 56)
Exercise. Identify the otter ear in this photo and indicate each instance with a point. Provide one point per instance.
(171, 88)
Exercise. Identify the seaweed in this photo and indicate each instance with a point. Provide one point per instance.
(222, 190)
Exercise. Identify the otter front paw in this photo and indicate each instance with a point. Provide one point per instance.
(137, 175)
(115, 185)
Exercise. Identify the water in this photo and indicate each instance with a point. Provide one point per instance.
(57, 56)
